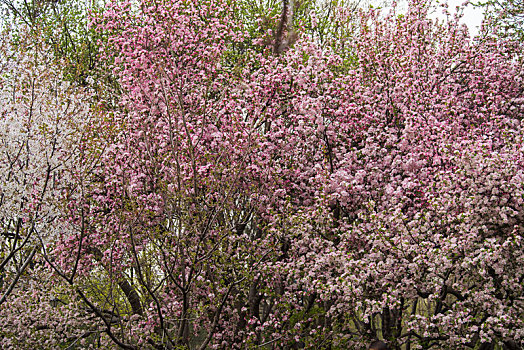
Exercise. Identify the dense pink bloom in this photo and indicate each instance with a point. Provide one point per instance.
(369, 186)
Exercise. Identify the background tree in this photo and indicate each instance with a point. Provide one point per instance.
(505, 18)
(64, 27)
(45, 127)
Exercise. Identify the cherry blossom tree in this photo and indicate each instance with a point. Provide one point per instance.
(288, 203)
(45, 126)
(413, 157)
(277, 189)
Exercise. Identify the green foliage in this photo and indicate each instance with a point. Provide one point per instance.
(64, 26)
(505, 18)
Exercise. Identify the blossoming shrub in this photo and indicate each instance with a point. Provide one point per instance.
(315, 195)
